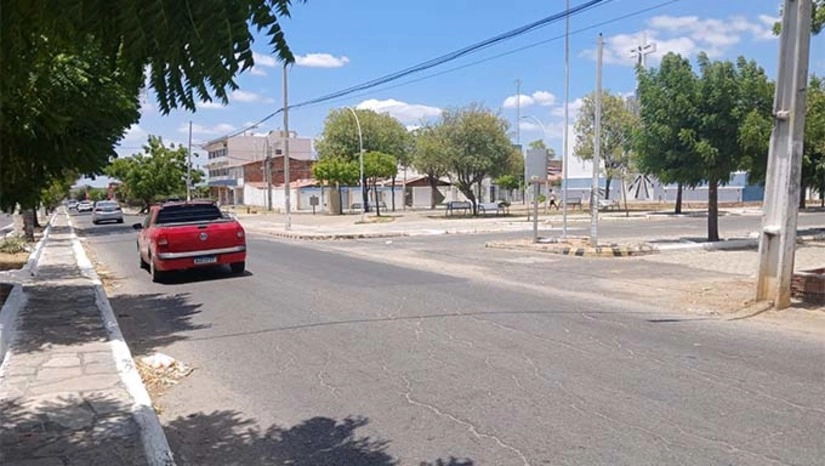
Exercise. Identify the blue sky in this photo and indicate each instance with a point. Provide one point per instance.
(340, 44)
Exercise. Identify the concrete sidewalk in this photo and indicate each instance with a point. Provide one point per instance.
(66, 393)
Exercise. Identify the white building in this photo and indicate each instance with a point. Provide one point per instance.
(227, 155)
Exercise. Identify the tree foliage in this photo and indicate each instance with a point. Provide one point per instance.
(617, 127)
(381, 133)
(67, 115)
(158, 172)
(193, 50)
(429, 157)
(476, 146)
(817, 18)
(699, 128)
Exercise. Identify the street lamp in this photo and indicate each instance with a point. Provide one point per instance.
(361, 162)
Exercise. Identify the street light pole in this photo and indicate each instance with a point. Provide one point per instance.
(287, 202)
(189, 166)
(597, 149)
(361, 162)
(564, 163)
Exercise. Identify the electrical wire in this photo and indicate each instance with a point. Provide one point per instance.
(434, 62)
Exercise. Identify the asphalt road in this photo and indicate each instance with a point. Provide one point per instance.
(321, 355)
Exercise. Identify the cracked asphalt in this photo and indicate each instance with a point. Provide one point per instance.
(374, 353)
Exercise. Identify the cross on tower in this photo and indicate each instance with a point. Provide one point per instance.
(642, 50)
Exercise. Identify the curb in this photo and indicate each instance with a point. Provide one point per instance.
(34, 257)
(8, 320)
(599, 251)
(727, 245)
(330, 236)
(155, 445)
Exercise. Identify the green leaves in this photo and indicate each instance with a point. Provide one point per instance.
(156, 173)
(336, 170)
(381, 133)
(618, 125)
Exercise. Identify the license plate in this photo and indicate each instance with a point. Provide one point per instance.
(206, 260)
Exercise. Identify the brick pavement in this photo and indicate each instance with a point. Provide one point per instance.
(62, 401)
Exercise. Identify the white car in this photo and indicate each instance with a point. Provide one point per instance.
(107, 211)
(72, 205)
(85, 206)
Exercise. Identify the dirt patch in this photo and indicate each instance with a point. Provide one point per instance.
(13, 261)
(575, 247)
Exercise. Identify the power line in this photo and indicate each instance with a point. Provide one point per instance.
(435, 61)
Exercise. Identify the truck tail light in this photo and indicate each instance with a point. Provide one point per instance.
(239, 234)
(163, 241)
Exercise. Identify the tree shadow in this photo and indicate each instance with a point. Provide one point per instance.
(92, 429)
(225, 438)
(152, 321)
(105, 229)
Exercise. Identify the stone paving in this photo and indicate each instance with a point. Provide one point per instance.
(62, 401)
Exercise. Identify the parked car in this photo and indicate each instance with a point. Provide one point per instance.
(84, 206)
(107, 211)
(72, 205)
(187, 235)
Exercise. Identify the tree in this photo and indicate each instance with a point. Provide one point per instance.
(158, 172)
(476, 146)
(666, 106)
(378, 165)
(618, 123)
(336, 171)
(65, 117)
(429, 157)
(380, 132)
(817, 18)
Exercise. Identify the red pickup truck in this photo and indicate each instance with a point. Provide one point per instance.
(186, 235)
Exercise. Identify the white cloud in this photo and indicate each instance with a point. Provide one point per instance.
(404, 112)
(244, 96)
(211, 105)
(264, 60)
(220, 128)
(536, 98)
(573, 109)
(412, 127)
(257, 71)
(686, 35)
(320, 60)
(134, 134)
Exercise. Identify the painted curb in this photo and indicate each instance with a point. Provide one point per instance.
(155, 445)
(34, 258)
(600, 251)
(329, 236)
(729, 245)
(9, 314)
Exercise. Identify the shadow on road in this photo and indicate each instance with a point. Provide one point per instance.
(152, 321)
(179, 277)
(224, 437)
(105, 229)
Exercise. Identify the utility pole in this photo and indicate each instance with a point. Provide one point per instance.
(268, 175)
(566, 143)
(287, 201)
(782, 186)
(640, 52)
(597, 149)
(189, 166)
(518, 113)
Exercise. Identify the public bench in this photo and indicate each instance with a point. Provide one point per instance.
(574, 202)
(489, 208)
(454, 206)
(357, 206)
(608, 204)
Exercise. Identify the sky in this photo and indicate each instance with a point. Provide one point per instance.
(339, 44)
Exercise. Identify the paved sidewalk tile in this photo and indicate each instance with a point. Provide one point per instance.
(62, 401)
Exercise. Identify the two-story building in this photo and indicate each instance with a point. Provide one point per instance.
(228, 155)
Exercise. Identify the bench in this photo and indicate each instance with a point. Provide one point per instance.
(357, 205)
(453, 206)
(489, 207)
(608, 204)
(574, 202)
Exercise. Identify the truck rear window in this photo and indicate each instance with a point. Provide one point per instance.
(185, 213)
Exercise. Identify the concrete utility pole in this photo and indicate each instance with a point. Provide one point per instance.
(566, 143)
(518, 113)
(597, 149)
(268, 175)
(189, 166)
(642, 50)
(782, 186)
(287, 202)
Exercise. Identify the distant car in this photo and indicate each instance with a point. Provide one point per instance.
(187, 235)
(85, 206)
(107, 211)
(72, 205)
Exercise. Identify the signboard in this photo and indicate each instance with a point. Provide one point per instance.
(535, 165)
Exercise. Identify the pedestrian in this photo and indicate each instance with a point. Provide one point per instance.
(553, 202)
